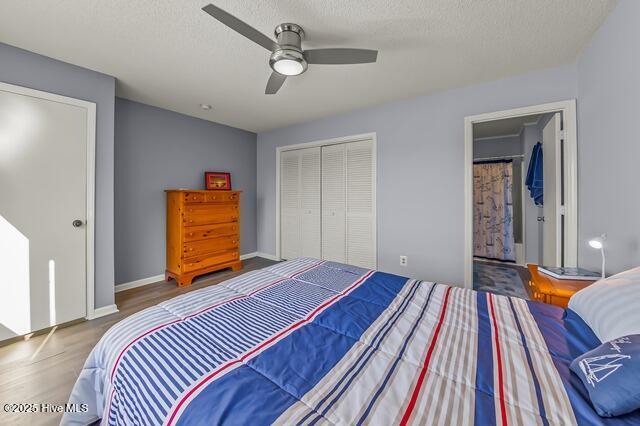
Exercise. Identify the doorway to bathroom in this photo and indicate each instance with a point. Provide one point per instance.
(520, 206)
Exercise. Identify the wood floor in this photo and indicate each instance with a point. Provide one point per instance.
(44, 368)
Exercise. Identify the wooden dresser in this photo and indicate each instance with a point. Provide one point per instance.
(547, 289)
(203, 233)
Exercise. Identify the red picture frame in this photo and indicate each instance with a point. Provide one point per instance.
(218, 181)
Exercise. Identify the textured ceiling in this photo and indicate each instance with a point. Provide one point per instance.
(504, 127)
(170, 54)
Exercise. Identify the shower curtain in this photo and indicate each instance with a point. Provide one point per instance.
(493, 211)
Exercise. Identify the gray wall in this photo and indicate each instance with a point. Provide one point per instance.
(28, 69)
(156, 149)
(609, 150)
(420, 167)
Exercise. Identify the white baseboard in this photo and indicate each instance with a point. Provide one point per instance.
(268, 256)
(259, 254)
(102, 312)
(139, 283)
(248, 255)
(156, 278)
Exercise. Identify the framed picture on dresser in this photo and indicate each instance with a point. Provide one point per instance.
(220, 181)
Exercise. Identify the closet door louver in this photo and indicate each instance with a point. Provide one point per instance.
(289, 204)
(300, 203)
(310, 202)
(334, 242)
(327, 205)
(360, 194)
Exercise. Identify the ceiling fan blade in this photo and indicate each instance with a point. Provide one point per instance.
(340, 56)
(239, 26)
(275, 83)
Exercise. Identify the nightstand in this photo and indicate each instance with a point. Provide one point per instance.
(547, 289)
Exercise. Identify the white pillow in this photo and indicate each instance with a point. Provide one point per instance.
(611, 307)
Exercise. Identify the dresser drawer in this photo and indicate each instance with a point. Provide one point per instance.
(203, 214)
(193, 197)
(221, 197)
(204, 261)
(200, 209)
(197, 248)
(194, 233)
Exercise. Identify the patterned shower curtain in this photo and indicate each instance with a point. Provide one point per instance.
(493, 211)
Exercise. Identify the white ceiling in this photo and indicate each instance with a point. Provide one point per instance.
(170, 54)
(504, 127)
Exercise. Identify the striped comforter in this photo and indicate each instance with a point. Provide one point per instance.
(312, 342)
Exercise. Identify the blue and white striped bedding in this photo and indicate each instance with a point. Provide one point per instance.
(312, 342)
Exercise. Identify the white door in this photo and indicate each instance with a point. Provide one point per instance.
(327, 203)
(334, 203)
(360, 184)
(310, 202)
(552, 191)
(300, 203)
(43, 179)
(289, 204)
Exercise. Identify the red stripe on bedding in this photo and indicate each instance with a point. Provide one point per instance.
(117, 363)
(503, 408)
(312, 315)
(425, 366)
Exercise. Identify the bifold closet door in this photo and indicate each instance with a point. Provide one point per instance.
(360, 196)
(289, 204)
(348, 203)
(334, 203)
(300, 203)
(310, 202)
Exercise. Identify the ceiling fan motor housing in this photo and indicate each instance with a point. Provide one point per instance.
(289, 37)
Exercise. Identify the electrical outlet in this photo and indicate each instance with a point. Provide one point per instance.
(403, 260)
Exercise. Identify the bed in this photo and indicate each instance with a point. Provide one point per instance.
(315, 342)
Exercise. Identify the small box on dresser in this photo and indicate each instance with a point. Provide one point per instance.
(203, 233)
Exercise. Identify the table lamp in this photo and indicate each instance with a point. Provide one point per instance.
(598, 244)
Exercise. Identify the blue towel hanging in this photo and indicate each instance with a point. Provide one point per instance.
(534, 179)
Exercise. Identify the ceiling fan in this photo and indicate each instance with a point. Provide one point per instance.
(287, 57)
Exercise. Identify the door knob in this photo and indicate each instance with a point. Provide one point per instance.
(77, 223)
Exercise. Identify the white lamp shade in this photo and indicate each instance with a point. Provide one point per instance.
(596, 243)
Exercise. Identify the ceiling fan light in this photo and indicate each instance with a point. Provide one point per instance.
(288, 62)
(288, 67)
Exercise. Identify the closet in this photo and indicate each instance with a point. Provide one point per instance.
(327, 203)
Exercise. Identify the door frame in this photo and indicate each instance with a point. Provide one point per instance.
(568, 110)
(327, 142)
(90, 184)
